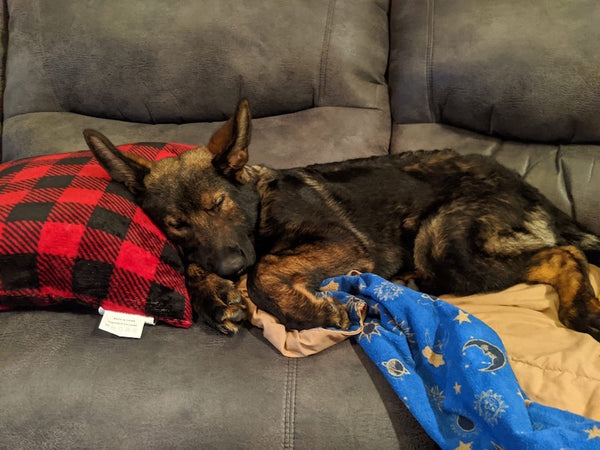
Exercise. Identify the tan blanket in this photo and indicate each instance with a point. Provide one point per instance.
(555, 366)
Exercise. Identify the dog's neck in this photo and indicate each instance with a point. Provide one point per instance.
(259, 175)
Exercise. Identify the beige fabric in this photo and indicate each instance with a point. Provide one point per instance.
(294, 343)
(555, 366)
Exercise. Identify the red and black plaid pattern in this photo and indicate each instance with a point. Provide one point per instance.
(69, 233)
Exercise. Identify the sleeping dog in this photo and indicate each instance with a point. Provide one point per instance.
(459, 224)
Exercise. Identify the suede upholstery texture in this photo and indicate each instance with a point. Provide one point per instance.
(327, 80)
(188, 63)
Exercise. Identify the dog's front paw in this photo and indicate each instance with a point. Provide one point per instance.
(336, 314)
(216, 300)
(226, 311)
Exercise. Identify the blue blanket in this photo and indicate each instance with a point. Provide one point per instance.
(452, 372)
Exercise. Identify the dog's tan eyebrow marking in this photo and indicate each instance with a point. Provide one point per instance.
(337, 209)
(209, 199)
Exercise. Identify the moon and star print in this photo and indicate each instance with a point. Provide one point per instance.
(452, 372)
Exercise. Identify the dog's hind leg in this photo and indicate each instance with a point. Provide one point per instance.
(455, 254)
(450, 254)
(566, 270)
(286, 284)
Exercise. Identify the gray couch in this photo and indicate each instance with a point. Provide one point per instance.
(327, 80)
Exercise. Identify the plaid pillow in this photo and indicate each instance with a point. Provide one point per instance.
(68, 234)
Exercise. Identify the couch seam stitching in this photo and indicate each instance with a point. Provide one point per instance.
(4, 37)
(40, 44)
(429, 60)
(290, 404)
(325, 52)
(564, 176)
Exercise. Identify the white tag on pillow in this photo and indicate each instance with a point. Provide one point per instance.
(123, 324)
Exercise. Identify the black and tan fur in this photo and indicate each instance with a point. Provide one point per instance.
(460, 224)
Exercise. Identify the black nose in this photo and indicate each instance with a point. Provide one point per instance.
(230, 264)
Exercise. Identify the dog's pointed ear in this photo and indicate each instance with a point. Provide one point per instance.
(125, 168)
(230, 143)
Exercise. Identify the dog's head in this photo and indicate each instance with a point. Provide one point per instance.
(201, 199)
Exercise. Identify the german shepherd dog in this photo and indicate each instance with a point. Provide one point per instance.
(460, 224)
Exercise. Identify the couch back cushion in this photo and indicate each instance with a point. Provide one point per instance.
(518, 70)
(190, 61)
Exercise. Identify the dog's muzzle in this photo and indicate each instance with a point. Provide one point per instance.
(231, 262)
(232, 265)
(228, 262)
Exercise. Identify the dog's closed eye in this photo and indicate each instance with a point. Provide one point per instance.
(218, 203)
(176, 224)
(213, 202)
